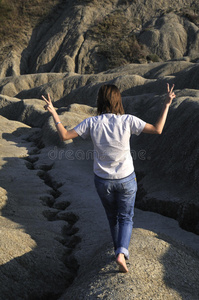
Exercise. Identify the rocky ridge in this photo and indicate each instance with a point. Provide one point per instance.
(51, 221)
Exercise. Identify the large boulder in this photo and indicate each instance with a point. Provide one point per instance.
(171, 37)
(28, 111)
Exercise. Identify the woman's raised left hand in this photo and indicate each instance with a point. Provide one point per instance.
(49, 106)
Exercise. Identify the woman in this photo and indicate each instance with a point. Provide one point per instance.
(115, 179)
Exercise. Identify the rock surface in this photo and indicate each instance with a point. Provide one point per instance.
(91, 36)
(158, 270)
(54, 237)
(32, 254)
(53, 224)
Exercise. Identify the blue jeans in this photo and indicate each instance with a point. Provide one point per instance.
(118, 199)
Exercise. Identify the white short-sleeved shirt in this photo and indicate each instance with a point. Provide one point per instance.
(110, 134)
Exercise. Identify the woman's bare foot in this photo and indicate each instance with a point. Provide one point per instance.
(122, 263)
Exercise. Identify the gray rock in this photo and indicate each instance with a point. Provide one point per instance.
(156, 260)
(53, 227)
(32, 250)
(167, 37)
(75, 39)
(140, 97)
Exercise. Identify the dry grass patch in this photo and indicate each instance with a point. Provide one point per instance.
(116, 40)
(18, 16)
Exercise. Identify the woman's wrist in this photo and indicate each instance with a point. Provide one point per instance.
(167, 104)
(59, 122)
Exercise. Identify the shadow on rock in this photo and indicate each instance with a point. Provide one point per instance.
(36, 257)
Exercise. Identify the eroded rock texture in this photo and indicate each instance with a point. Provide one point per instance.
(52, 222)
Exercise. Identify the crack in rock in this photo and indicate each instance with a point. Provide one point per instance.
(57, 212)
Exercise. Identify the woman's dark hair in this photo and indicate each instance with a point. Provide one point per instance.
(109, 100)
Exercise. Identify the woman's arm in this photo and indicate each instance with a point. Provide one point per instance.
(159, 125)
(63, 133)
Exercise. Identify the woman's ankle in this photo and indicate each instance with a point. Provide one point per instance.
(120, 259)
